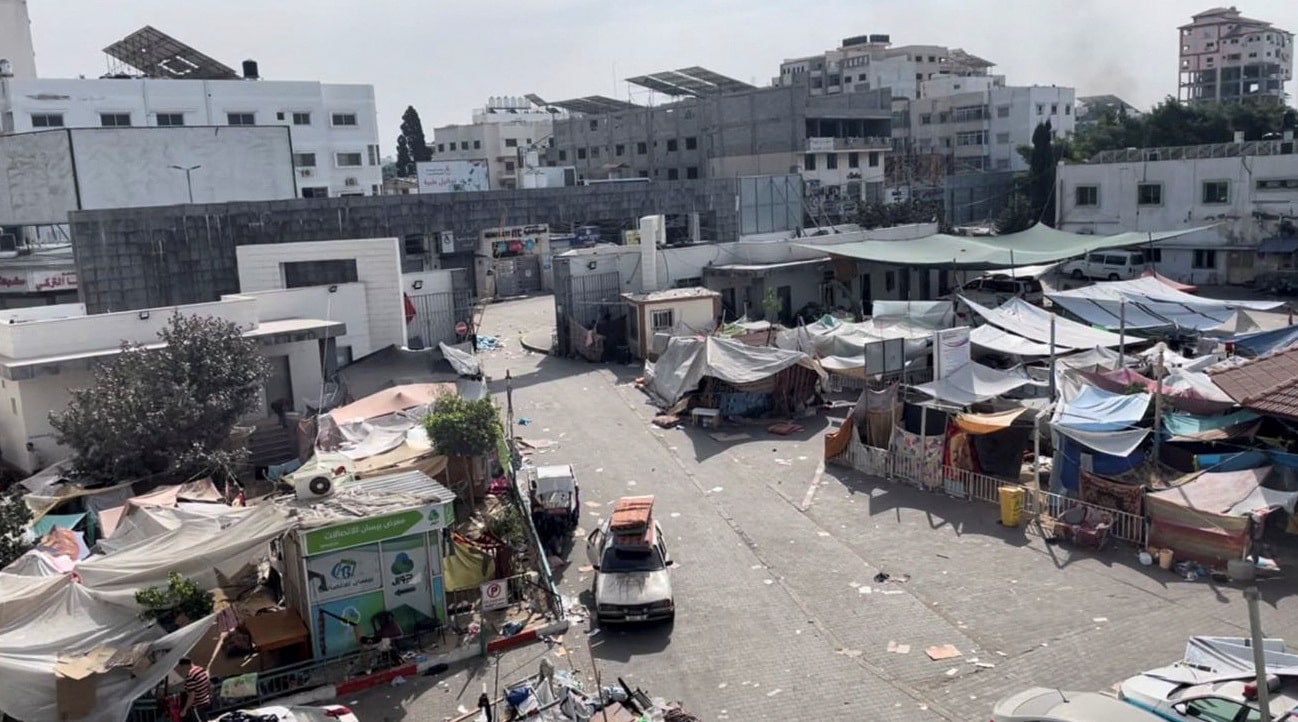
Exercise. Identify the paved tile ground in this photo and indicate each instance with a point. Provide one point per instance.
(779, 614)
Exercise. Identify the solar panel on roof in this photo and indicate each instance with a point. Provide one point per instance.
(158, 55)
(656, 85)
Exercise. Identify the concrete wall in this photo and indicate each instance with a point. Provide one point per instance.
(36, 178)
(142, 258)
(378, 266)
(347, 305)
(16, 38)
(35, 399)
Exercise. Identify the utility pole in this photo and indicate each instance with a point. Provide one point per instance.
(1252, 596)
(189, 180)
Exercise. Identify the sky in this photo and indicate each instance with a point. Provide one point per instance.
(445, 57)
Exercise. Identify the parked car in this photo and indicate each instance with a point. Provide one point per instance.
(992, 291)
(1052, 705)
(630, 560)
(556, 502)
(1229, 701)
(1106, 265)
(326, 713)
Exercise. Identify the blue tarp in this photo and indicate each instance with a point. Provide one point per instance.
(1099, 410)
(1233, 461)
(1069, 461)
(1179, 423)
(1262, 343)
(49, 521)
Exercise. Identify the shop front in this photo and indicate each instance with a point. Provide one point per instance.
(365, 575)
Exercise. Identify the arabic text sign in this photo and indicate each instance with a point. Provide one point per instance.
(373, 529)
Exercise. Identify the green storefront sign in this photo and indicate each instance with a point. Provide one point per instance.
(374, 529)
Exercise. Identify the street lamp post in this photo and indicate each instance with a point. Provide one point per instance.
(189, 182)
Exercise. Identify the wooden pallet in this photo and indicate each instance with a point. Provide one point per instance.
(632, 514)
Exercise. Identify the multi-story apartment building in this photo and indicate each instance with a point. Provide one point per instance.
(333, 127)
(838, 143)
(501, 134)
(869, 62)
(1241, 194)
(1226, 57)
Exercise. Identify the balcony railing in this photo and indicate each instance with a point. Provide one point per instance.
(1189, 152)
(825, 145)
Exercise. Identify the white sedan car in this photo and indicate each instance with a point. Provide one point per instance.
(1052, 705)
(325, 713)
(1228, 700)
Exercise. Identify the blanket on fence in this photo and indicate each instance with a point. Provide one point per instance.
(1116, 495)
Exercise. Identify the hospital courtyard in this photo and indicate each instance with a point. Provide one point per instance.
(780, 611)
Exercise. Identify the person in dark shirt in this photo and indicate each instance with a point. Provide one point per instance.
(198, 691)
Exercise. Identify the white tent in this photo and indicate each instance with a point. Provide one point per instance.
(972, 383)
(687, 360)
(1147, 302)
(1022, 318)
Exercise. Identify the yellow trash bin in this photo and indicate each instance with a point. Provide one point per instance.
(1011, 505)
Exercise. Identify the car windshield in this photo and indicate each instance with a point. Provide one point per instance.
(621, 560)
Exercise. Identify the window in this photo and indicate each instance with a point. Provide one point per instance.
(1086, 195)
(511, 142)
(1115, 260)
(301, 119)
(301, 274)
(343, 119)
(1204, 258)
(810, 163)
(241, 118)
(831, 161)
(170, 119)
(889, 280)
(619, 150)
(374, 158)
(925, 118)
(1149, 194)
(662, 320)
(1002, 138)
(1041, 109)
(1277, 184)
(509, 166)
(1215, 192)
(853, 160)
(1068, 109)
(692, 173)
(972, 137)
(1002, 164)
(115, 120)
(691, 143)
(641, 148)
(1155, 255)
(1214, 709)
(594, 152)
(1054, 108)
(1002, 111)
(441, 147)
(477, 145)
(874, 160)
(594, 125)
(671, 145)
(581, 154)
(347, 160)
(304, 160)
(642, 174)
(673, 174)
(48, 120)
(452, 145)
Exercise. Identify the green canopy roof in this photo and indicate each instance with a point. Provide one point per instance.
(1036, 245)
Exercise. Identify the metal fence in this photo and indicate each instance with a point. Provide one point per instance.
(583, 300)
(436, 315)
(972, 486)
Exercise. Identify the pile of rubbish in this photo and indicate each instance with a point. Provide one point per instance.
(557, 696)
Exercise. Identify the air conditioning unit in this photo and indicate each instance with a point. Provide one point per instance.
(352, 182)
(306, 172)
(320, 484)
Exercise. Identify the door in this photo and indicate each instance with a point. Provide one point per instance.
(279, 384)
(785, 294)
(867, 295)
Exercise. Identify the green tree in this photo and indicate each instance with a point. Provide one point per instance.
(1041, 174)
(405, 164)
(14, 516)
(167, 410)
(1018, 213)
(885, 215)
(412, 129)
(1172, 123)
(464, 428)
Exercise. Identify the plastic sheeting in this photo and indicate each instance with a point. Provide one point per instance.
(392, 400)
(1098, 410)
(936, 314)
(686, 361)
(1020, 317)
(1146, 303)
(1183, 426)
(463, 362)
(987, 423)
(1219, 659)
(1207, 519)
(1151, 289)
(994, 339)
(972, 383)
(1242, 321)
(1262, 343)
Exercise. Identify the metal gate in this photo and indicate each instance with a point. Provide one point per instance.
(436, 315)
(517, 276)
(583, 299)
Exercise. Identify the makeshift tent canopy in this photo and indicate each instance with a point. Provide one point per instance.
(1262, 343)
(1146, 303)
(1020, 317)
(1177, 285)
(994, 339)
(972, 383)
(686, 361)
(1244, 320)
(1207, 518)
(988, 423)
(1037, 245)
(392, 400)
(1099, 410)
(1152, 289)
(1182, 426)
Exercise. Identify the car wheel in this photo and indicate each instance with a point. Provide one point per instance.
(1077, 274)
(1114, 277)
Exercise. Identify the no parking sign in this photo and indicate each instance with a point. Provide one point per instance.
(495, 595)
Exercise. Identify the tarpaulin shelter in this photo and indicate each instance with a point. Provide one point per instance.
(972, 383)
(1148, 303)
(1218, 659)
(1182, 426)
(1021, 318)
(1261, 343)
(1206, 519)
(1037, 245)
(1184, 287)
(687, 361)
(392, 400)
(1245, 320)
(1097, 430)
(995, 339)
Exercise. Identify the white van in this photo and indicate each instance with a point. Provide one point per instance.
(1106, 265)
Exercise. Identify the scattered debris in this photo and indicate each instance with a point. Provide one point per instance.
(594, 504)
(1097, 620)
(716, 490)
(774, 692)
(768, 582)
(784, 462)
(724, 437)
(943, 556)
(864, 590)
(853, 653)
(667, 421)
(953, 671)
(881, 577)
(524, 421)
(600, 470)
(784, 428)
(984, 665)
(943, 651)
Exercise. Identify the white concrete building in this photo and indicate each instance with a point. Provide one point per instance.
(870, 62)
(1226, 57)
(333, 127)
(16, 41)
(501, 133)
(978, 123)
(1244, 191)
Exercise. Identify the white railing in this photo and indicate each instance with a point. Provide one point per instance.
(964, 484)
